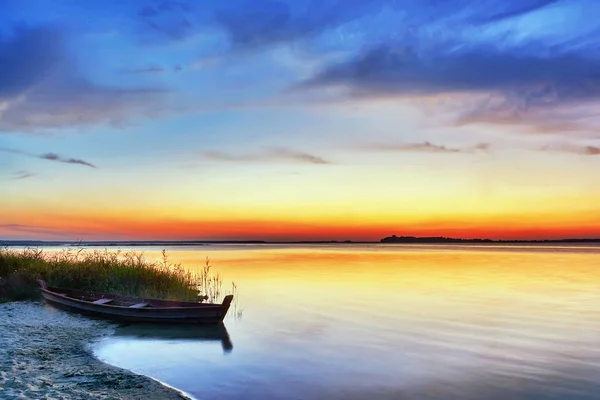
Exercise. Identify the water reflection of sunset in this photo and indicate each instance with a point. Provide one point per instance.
(436, 321)
(396, 276)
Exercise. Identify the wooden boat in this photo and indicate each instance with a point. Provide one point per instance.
(122, 308)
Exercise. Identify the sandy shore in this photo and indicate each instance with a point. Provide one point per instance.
(45, 354)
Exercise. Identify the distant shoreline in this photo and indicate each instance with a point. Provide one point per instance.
(387, 240)
(447, 240)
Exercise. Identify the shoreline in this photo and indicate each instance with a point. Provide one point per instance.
(47, 353)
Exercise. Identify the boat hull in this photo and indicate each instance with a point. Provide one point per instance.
(200, 314)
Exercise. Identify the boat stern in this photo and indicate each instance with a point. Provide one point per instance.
(226, 304)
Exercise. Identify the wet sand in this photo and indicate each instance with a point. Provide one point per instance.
(46, 354)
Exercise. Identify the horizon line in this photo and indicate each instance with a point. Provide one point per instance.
(386, 240)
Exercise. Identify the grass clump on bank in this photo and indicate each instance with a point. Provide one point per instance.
(123, 273)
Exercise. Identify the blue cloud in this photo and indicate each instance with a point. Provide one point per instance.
(540, 80)
(253, 23)
(379, 48)
(509, 9)
(497, 49)
(168, 20)
(41, 87)
(27, 56)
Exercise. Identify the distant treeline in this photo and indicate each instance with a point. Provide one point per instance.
(441, 239)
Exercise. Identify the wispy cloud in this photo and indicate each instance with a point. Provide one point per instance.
(22, 175)
(49, 157)
(252, 24)
(425, 147)
(146, 70)
(531, 79)
(515, 9)
(56, 157)
(267, 155)
(585, 150)
(542, 122)
(257, 23)
(553, 117)
(38, 230)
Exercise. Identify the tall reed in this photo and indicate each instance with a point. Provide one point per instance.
(125, 273)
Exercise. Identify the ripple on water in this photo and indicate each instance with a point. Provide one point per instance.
(460, 322)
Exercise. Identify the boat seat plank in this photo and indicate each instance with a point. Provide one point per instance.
(139, 305)
(102, 301)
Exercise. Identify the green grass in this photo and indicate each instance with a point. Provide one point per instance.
(124, 273)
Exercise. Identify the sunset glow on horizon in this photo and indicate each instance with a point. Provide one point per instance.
(291, 120)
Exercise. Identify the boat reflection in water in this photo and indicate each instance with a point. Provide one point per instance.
(191, 333)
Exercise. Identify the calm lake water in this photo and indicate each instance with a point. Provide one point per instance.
(384, 322)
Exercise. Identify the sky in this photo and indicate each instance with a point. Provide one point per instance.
(299, 119)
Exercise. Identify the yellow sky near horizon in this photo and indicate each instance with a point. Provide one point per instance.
(363, 211)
